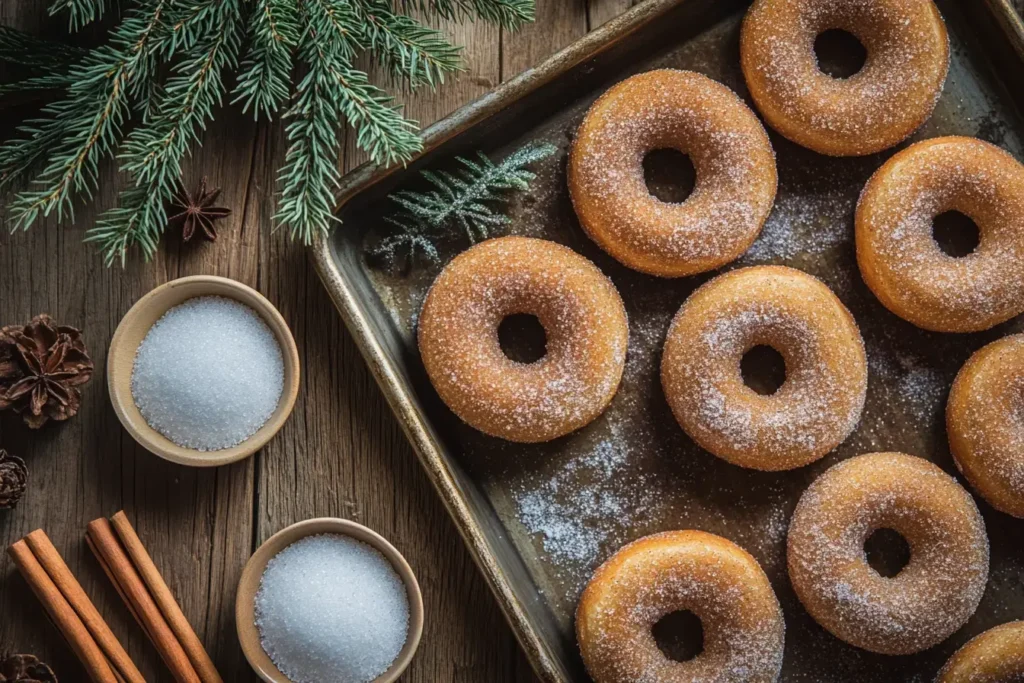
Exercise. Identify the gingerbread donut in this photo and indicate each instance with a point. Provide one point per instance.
(876, 108)
(730, 151)
(818, 404)
(933, 595)
(901, 261)
(985, 423)
(583, 319)
(707, 575)
(995, 656)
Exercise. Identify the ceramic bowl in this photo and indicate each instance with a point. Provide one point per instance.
(134, 327)
(245, 599)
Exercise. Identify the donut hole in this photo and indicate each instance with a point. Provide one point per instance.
(522, 338)
(887, 552)
(679, 635)
(956, 234)
(763, 369)
(840, 53)
(670, 175)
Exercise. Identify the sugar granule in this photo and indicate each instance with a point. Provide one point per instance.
(208, 374)
(331, 609)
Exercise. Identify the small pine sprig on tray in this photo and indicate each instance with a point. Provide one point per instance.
(145, 96)
(468, 198)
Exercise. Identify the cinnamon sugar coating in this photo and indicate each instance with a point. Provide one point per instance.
(681, 570)
(819, 403)
(583, 318)
(937, 591)
(879, 106)
(995, 656)
(901, 261)
(733, 158)
(985, 423)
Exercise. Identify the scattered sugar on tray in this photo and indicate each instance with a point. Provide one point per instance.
(331, 609)
(585, 505)
(804, 224)
(208, 374)
(916, 387)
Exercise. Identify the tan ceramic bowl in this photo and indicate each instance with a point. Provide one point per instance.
(245, 599)
(133, 328)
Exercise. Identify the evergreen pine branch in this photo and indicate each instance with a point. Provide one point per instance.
(509, 14)
(469, 196)
(57, 81)
(17, 47)
(153, 152)
(74, 133)
(402, 248)
(330, 89)
(264, 81)
(107, 88)
(80, 12)
(409, 50)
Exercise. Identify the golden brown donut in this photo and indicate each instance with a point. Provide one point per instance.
(937, 591)
(995, 656)
(819, 403)
(711, 577)
(583, 319)
(730, 151)
(879, 106)
(899, 258)
(985, 423)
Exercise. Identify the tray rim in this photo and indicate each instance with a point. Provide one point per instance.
(346, 300)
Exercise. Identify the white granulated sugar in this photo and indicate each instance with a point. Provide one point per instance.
(208, 374)
(331, 609)
(804, 225)
(580, 510)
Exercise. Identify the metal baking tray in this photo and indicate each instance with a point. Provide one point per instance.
(539, 518)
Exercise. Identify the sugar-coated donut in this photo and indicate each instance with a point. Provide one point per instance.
(682, 110)
(876, 108)
(583, 319)
(711, 577)
(818, 404)
(934, 594)
(995, 656)
(903, 264)
(985, 423)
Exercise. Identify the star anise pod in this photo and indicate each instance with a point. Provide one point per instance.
(41, 366)
(196, 210)
(13, 477)
(25, 669)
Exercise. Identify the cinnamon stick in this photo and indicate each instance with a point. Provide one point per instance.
(51, 561)
(163, 597)
(62, 614)
(106, 545)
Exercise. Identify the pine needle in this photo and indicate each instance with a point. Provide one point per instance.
(17, 47)
(468, 198)
(80, 12)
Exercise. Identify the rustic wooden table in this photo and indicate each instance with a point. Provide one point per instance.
(341, 453)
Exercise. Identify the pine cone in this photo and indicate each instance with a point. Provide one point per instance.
(13, 476)
(25, 669)
(41, 365)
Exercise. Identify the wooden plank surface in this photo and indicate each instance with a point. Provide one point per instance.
(341, 454)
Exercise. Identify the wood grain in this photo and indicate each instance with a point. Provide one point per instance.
(341, 453)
